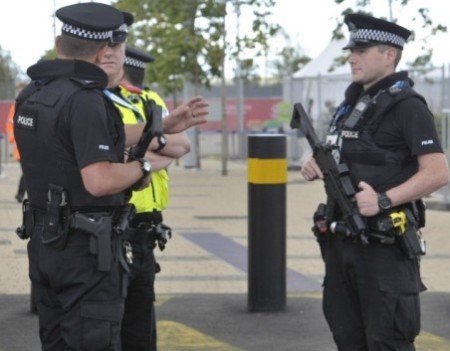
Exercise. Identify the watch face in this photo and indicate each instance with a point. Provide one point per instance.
(384, 202)
(147, 166)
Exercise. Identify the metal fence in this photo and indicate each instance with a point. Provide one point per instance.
(322, 93)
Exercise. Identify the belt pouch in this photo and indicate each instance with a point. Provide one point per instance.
(56, 223)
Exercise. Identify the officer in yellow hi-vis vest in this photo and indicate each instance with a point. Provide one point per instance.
(147, 228)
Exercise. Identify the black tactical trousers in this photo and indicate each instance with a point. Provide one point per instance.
(371, 296)
(139, 323)
(79, 307)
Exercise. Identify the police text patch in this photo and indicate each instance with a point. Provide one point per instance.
(350, 134)
(26, 119)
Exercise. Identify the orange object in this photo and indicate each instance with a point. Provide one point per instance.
(10, 132)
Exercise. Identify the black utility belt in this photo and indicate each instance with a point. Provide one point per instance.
(153, 217)
(148, 232)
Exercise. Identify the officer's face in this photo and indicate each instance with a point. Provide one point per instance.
(369, 65)
(112, 61)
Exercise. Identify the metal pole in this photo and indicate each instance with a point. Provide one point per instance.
(54, 21)
(267, 177)
(239, 89)
(223, 98)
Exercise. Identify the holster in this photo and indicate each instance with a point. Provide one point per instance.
(408, 238)
(99, 226)
(123, 218)
(155, 234)
(162, 234)
(57, 218)
(411, 241)
(24, 231)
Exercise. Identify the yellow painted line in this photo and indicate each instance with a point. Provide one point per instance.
(309, 295)
(267, 171)
(173, 336)
(430, 342)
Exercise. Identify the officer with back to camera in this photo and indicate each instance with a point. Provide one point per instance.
(385, 133)
(71, 141)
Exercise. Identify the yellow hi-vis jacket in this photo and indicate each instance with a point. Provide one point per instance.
(156, 196)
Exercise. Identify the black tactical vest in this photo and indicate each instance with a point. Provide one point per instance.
(47, 155)
(367, 161)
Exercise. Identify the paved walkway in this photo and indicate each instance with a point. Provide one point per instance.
(202, 289)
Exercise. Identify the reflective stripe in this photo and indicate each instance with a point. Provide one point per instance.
(267, 171)
(119, 101)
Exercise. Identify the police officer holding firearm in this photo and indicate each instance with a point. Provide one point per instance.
(385, 134)
(71, 139)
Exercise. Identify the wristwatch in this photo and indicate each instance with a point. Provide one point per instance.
(162, 142)
(146, 167)
(384, 202)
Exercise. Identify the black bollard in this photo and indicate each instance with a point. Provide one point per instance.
(267, 177)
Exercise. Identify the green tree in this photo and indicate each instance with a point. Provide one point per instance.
(423, 18)
(185, 37)
(50, 54)
(291, 59)
(8, 74)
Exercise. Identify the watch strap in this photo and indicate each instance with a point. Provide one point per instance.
(145, 172)
(162, 142)
(384, 202)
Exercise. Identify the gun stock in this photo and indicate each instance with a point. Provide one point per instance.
(153, 128)
(338, 183)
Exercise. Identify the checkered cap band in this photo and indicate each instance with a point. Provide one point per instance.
(130, 61)
(84, 33)
(377, 36)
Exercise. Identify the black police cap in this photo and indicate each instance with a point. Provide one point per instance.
(128, 18)
(136, 58)
(367, 31)
(90, 21)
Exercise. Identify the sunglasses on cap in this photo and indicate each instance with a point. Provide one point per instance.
(119, 35)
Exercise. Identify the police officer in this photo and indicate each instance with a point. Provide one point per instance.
(139, 326)
(71, 140)
(385, 133)
(149, 203)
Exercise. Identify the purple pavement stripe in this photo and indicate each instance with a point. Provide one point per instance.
(236, 255)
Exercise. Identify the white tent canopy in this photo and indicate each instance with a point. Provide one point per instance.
(322, 63)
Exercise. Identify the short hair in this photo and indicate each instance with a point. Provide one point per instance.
(398, 52)
(79, 48)
(134, 75)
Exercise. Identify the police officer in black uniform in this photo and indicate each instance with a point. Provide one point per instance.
(385, 133)
(72, 141)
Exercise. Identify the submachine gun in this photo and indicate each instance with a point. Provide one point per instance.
(338, 184)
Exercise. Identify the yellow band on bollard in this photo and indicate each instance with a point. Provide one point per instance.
(267, 171)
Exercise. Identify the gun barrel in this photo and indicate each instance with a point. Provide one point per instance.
(301, 120)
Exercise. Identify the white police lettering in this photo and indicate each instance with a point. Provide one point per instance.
(25, 121)
(350, 134)
(103, 147)
(427, 142)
